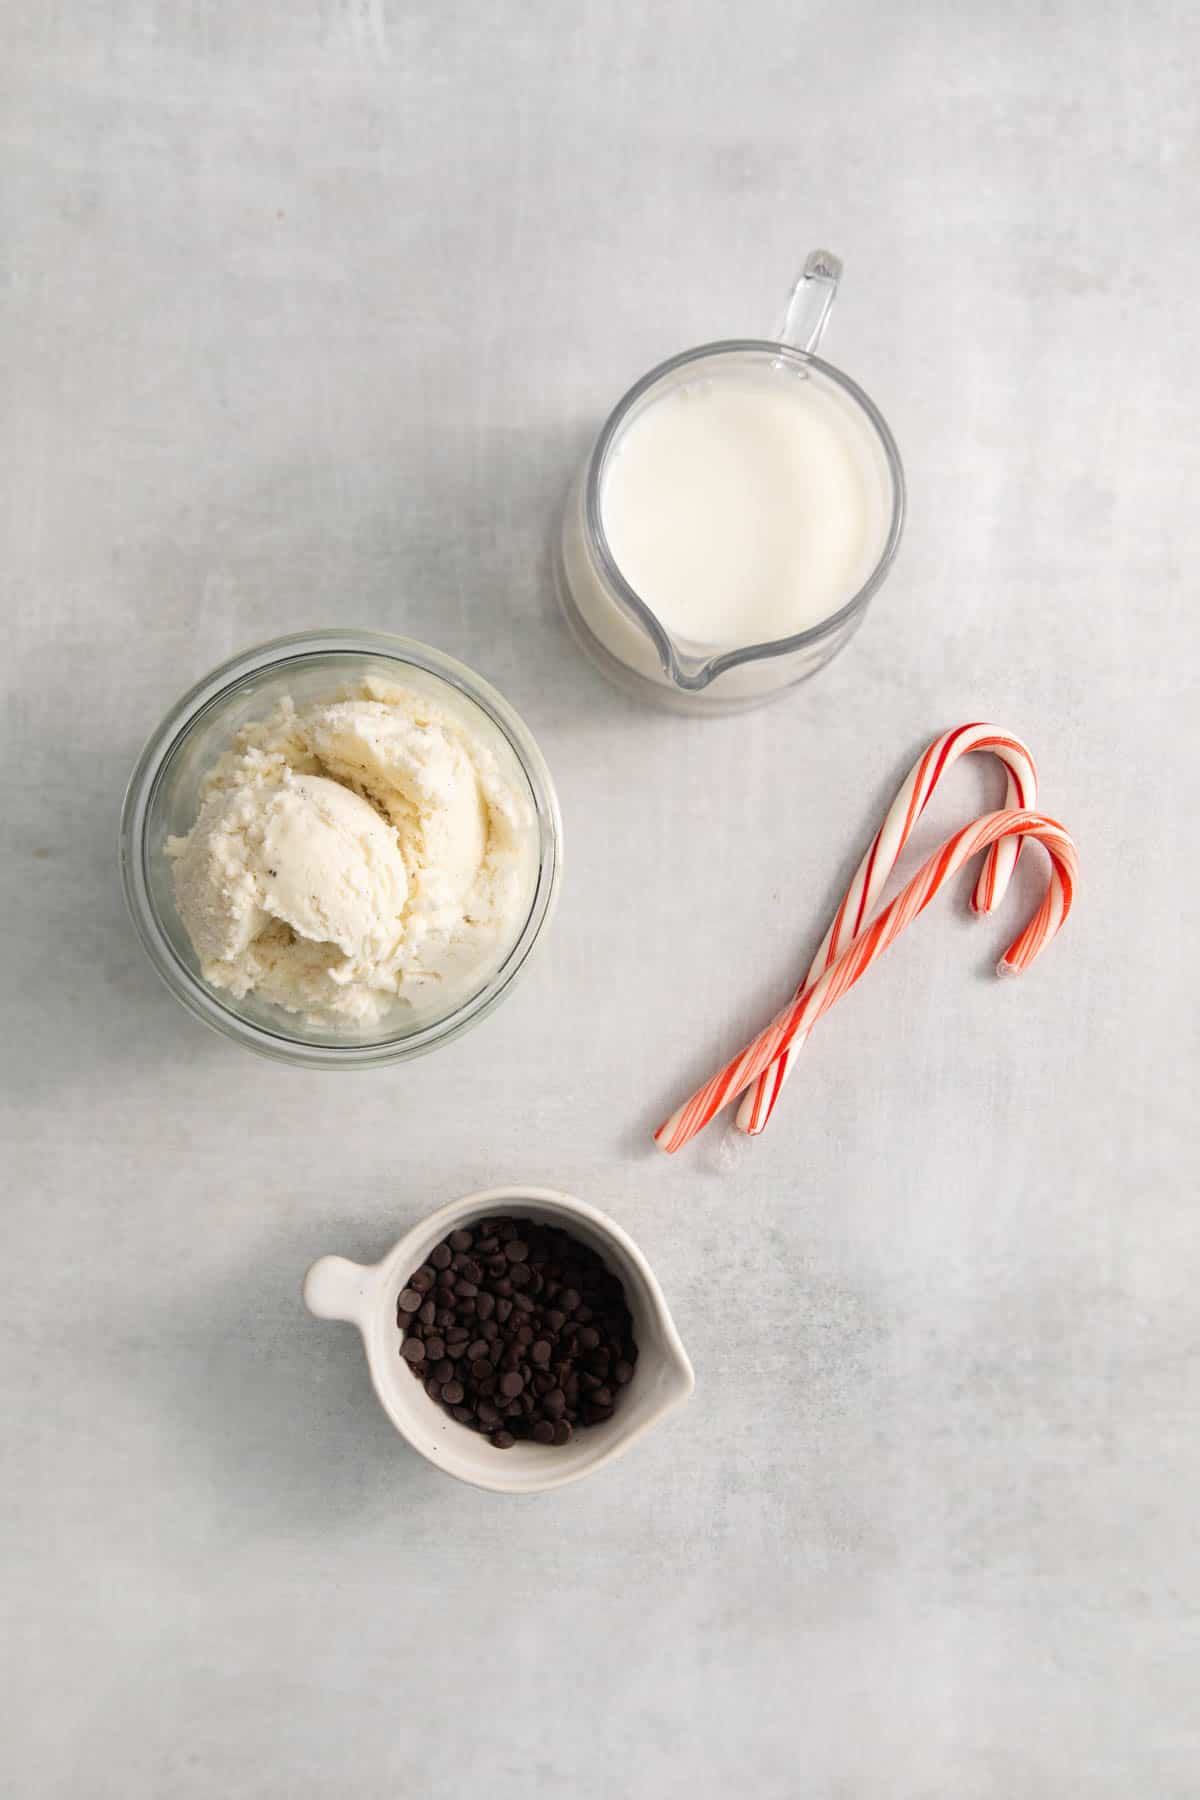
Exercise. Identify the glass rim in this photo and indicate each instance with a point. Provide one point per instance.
(700, 677)
(203, 1001)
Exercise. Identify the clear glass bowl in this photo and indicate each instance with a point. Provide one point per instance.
(163, 799)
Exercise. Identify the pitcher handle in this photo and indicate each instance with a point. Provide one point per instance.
(337, 1289)
(810, 301)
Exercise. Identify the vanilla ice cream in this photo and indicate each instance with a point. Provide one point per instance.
(354, 857)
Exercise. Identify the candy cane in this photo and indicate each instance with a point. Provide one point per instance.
(803, 1012)
(871, 876)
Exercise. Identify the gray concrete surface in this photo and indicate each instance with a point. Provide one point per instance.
(308, 311)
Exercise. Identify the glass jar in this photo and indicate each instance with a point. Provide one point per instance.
(163, 799)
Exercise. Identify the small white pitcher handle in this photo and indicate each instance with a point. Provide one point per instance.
(337, 1289)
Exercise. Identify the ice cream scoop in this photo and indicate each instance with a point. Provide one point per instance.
(352, 855)
(423, 778)
(331, 868)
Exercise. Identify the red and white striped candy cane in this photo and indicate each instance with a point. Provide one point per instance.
(803, 1012)
(871, 876)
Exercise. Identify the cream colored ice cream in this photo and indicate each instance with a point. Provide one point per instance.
(353, 856)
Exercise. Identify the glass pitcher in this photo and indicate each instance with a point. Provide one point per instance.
(619, 628)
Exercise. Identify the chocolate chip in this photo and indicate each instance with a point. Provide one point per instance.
(544, 1347)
